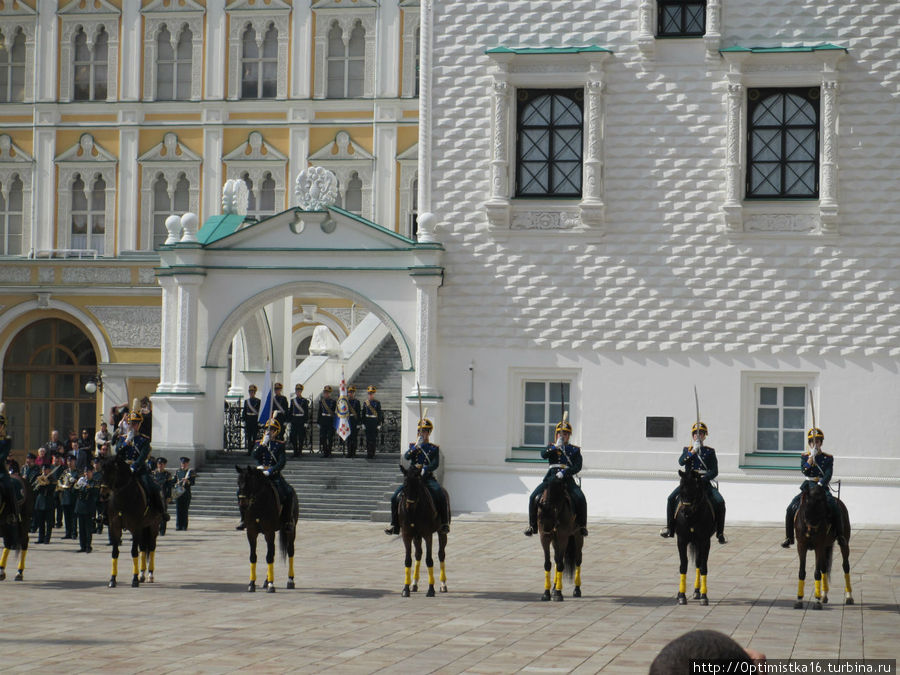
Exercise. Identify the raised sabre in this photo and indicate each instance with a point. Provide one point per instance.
(697, 425)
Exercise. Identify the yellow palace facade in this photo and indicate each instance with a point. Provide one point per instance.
(115, 114)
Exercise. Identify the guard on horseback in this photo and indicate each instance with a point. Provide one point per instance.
(702, 459)
(561, 452)
(818, 466)
(426, 454)
(10, 490)
(135, 448)
(271, 458)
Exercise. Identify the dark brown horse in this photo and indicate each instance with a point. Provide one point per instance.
(694, 525)
(130, 508)
(15, 534)
(264, 513)
(419, 519)
(813, 531)
(557, 528)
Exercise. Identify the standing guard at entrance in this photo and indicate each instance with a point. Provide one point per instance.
(251, 418)
(325, 418)
(280, 406)
(373, 418)
(355, 421)
(299, 418)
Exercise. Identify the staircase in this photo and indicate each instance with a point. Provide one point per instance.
(334, 488)
(382, 370)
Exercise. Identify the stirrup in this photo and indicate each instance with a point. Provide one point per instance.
(392, 530)
(530, 531)
(666, 533)
(787, 542)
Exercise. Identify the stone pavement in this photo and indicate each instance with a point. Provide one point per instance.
(347, 616)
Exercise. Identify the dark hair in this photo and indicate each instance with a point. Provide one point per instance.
(697, 645)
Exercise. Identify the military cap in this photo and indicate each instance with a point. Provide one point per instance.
(371, 389)
(252, 387)
(184, 459)
(278, 385)
(31, 455)
(298, 387)
(327, 388)
(351, 389)
(162, 460)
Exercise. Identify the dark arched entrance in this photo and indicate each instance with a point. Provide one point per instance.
(44, 373)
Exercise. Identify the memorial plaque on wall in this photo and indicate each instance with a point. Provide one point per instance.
(660, 427)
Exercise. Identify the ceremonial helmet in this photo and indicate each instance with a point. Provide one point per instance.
(327, 388)
(371, 389)
(351, 389)
(564, 427)
(274, 425)
(135, 414)
(298, 387)
(813, 434)
(701, 427)
(425, 424)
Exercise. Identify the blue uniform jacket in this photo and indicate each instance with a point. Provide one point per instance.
(820, 471)
(427, 454)
(5, 447)
(570, 455)
(271, 455)
(691, 462)
(136, 452)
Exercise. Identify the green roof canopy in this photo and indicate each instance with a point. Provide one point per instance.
(547, 50)
(825, 46)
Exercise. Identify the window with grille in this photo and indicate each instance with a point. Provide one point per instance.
(681, 18)
(89, 215)
(783, 143)
(11, 214)
(259, 64)
(173, 65)
(12, 67)
(261, 202)
(166, 204)
(353, 200)
(544, 405)
(549, 134)
(346, 62)
(780, 418)
(91, 66)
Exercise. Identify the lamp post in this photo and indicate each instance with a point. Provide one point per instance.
(94, 384)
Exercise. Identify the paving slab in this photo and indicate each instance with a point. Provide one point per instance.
(346, 614)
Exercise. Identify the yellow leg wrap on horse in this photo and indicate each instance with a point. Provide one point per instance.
(4, 557)
(443, 576)
(407, 577)
(697, 579)
(151, 560)
(416, 570)
(801, 587)
(134, 565)
(143, 560)
(22, 555)
(431, 576)
(818, 588)
(547, 580)
(682, 583)
(825, 582)
(558, 580)
(847, 582)
(578, 576)
(702, 584)
(252, 571)
(291, 567)
(270, 572)
(115, 566)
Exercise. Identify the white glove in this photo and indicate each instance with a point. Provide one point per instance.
(129, 438)
(266, 472)
(265, 440)
(560, 474)
(696, 447)
(261, 467)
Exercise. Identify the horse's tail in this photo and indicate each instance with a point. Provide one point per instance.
(570, 558)
(287, 527)
(283, 539)
(692, 552)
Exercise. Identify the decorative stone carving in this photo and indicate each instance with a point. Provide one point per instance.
(781, 223)
(90, 161)
(324, 342)
(543, 220)
(316, 189)
(346, 17)
(234, 198)
(147, 275)
(256, 158)
(174, 16)
(15, 17)
(18, 275)
(46, 275)
(344, 157)
(260, 16)
(96, 275)
(90, 16)
(169, 160)
(130, 327)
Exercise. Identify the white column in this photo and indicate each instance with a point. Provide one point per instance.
(387, 54)
(592, 206)
(129, 188)
(646, 41)
(385, 176)
(426, 331)
(44, 190)
(426, 224)
(732, 206)
(301, 48)
(186, 333)
(169, 335)
(216, 40)
(828, 207)
(212, 170)
(237, 365)
(46, 38)
(132, 38)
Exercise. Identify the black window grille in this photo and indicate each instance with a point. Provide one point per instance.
(549, 133)
(681, 18)
(783, 143)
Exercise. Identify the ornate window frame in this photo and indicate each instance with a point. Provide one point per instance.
(169, 159)
(515, 391)
(648, 21)
(90, 16)
(776, 67)
(409, 76)
(327, 14)
(532, 68)
(344, 157)
(16, 162)
(89, 160)
(260, 16)
(256, 158)
(409, 175)
(12, 18)
(174, 15)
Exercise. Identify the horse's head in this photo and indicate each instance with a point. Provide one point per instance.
(549, 510)
(815, 508)
(692, 489)
(249, 481)
(116, 472)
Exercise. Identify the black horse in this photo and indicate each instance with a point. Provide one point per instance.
(419, 519)
(130, 508)
(812, 530)
(264, 513)
(557, 528)
(695, 523)
(15, 534)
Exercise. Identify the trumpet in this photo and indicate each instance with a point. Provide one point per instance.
(42, 481)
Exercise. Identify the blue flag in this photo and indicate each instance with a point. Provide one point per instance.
(265, 408)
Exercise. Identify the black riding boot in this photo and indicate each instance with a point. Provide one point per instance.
(581, 516)
(532, 518)
(669, 530)
(838, 525)
(788, 528)
(394, 528)
(241, 525)
(720, 523)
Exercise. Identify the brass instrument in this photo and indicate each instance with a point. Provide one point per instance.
(66, 481)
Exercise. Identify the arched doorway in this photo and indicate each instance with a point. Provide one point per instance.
(44, 373)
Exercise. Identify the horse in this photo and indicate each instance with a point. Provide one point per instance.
(264, 513)
(695, 523)
(812, 530)
(419, 519)
(15, 535)
(557, 527)
(130, 508)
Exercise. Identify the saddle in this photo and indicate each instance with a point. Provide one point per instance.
(706, 500)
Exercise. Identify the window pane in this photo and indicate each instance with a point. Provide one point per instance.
(767, 440)
(182, 196)
(270, 45)
(65, 385)
(165, 74)
(164, 45)
(100, 83)
(335, 43)
(250, 80)
(40, 383)
(355, 78)
(335, 79)
(534, 435)
(82, 53)
(534, 391)
(795, 397)
(768, 396)
(101, 47)
(767, 418)
(794, 418)
(558, 390)
(270, 80)
(250, 50)
(534, 413)
(184, 45)
(794, 441)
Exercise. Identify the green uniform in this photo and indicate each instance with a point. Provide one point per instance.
(87, 494)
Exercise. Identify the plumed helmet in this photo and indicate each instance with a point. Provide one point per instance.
(135, 414)
(274, 425)
(425, 424)
(327, 388)
(351, 389)
(815, 433)
(564, 427)
(699, 426)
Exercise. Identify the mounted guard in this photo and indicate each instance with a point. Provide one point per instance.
(11, 495)
(135, 448)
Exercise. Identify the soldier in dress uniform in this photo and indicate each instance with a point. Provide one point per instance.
(135, 448)
(702, 459)
(67, 480)
(280, 406)
(426, 453)
(271, 458)
(87, 494)
(164, 479)
(186, 477)
(561, 452)
(45, 500)
(355, 420)
(299, 417)
(325, 419)
(251, 418)
(818, 467)
(10, 490)
(102, 499)
(373, 418)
